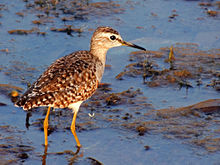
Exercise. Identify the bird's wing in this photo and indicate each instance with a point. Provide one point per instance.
(69, 79)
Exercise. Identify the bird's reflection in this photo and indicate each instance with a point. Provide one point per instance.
(44, 157)
(74, 155)
(28, 115)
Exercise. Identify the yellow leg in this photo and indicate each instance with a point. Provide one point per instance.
(46, 126)
(73, 129)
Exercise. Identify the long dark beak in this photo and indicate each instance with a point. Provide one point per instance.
(132, 45)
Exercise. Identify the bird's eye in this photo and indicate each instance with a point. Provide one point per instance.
(112, 37)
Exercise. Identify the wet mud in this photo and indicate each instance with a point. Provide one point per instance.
(187, 67)
(123, 107)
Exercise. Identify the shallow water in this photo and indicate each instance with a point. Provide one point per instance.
(107, 137)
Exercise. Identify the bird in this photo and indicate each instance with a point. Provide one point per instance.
(73, 78)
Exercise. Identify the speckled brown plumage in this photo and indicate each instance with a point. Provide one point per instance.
(68, 80)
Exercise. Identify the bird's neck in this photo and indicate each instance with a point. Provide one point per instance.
(100, 53)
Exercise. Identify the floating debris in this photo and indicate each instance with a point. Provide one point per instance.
(26, 32)
(67, 29)
(141, 130)
(213, 13)
(146, 147)
(2, 104)
(205, 4)
(94, 161)
(171, 57)
(185, 84)
(65, 19)
(20, 31)
(20, 14)
(5, 50)
(173, 15)
(11, 87)
(23, 155)
(113, 99)
(215, 84)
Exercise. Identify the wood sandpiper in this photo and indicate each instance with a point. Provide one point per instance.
(72, 79)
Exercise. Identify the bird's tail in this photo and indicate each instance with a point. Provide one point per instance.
(22, 101)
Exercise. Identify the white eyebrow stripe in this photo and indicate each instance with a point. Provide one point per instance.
(108, 34)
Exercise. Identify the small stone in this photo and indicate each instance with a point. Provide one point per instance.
(147, 147)
(141, 130)
(23, 155)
